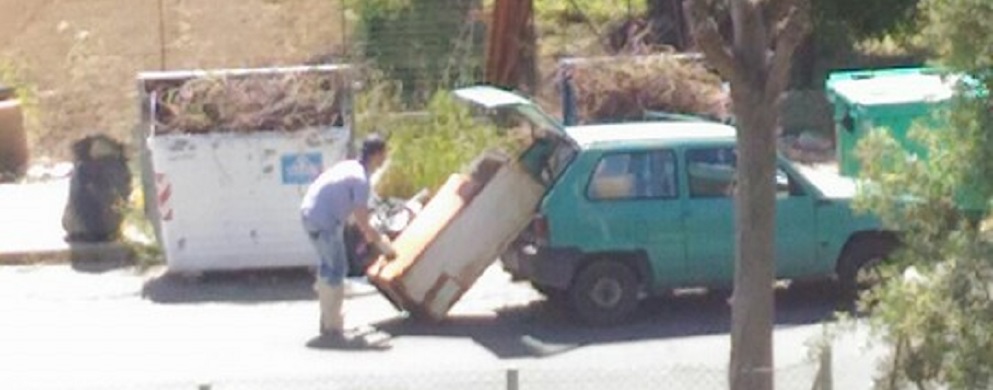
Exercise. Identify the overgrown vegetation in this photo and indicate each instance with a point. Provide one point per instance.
(427, 148)
(12, 75)
(138, 234)
(15, 117)
(581, 27)
(597, 12)
(935, 312)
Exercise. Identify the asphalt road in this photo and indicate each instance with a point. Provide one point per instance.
(89, 326)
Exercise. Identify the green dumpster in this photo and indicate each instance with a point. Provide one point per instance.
(894, 99)
(885, 98)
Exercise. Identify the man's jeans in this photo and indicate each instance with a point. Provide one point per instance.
(330, 247)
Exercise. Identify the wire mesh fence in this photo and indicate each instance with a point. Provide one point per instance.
(800, 376)
(424, 45)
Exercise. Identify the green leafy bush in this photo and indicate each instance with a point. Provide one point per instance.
(936, 309)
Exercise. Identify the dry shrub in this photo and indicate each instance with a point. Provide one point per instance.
(623, 88)
(259, 102)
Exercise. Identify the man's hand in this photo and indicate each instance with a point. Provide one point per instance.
(386, 248)
(381, 242)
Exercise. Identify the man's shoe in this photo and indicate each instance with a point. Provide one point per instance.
(339, 340)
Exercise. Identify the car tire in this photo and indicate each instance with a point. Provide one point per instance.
(552, 293)
(604, 293)
(861, 257)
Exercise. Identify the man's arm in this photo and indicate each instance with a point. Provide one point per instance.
(361, 215)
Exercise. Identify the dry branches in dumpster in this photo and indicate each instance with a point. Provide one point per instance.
(623, 88)
(243, 103)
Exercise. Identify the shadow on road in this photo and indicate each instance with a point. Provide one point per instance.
(236, 287)
(542, 329)
(99, 267)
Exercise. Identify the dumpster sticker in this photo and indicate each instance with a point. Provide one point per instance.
(301, 168)
(163, 194)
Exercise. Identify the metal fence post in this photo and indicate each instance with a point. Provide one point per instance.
(513, 379)
(824, 380)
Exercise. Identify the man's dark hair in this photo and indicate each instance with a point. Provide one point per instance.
(372, 144)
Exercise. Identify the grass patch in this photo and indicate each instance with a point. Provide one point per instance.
(138, 234)
(427, 148)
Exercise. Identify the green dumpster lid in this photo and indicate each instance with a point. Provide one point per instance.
(892, 86)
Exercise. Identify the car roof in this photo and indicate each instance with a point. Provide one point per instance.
(650, 133)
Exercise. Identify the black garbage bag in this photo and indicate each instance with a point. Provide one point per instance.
(98, 190)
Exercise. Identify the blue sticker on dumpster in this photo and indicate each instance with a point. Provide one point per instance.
(301, 168)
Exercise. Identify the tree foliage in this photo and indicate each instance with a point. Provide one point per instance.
(861, 19)
(936, 312)
(962, 35)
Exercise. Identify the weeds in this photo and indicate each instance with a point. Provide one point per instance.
(429, 148)
(138, 234)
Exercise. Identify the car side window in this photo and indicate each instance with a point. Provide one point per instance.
(711, 173)
(634, 175)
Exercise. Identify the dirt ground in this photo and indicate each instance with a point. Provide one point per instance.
(82, 55)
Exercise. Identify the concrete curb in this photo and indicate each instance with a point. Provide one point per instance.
(108, 252)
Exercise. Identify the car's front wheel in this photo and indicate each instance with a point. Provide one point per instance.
(604, 293)
(859, 267)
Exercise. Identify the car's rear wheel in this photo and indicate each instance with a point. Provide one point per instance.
(552, 293)
(604, 293)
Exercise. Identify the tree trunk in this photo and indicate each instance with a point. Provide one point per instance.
(752, 310)
(757, 62)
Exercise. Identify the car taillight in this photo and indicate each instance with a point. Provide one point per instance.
(539, 228)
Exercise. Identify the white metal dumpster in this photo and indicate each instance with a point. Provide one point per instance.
(229, 199)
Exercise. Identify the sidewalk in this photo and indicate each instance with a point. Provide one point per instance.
(31, 225)
(31, 221)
